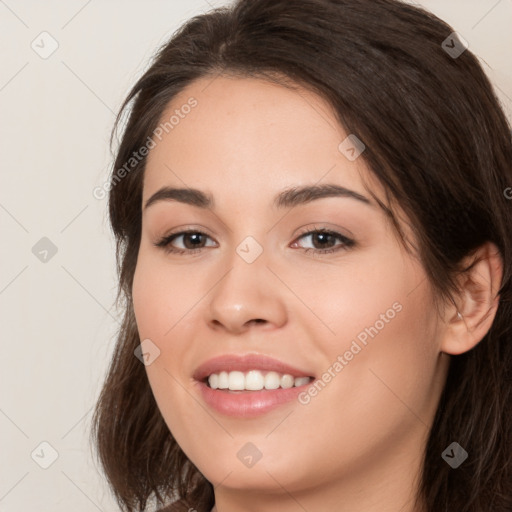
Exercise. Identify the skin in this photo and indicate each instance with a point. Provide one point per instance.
(357, 445)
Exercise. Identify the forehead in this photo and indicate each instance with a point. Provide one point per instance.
(247, 130)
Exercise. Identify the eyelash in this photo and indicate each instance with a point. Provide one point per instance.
(165, 242)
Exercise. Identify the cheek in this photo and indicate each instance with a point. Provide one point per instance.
(356, 300)
(162, 295)
(390, 376)
(383, 392)
(384, 330)
(158, 308)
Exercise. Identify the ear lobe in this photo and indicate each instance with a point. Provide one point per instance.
(478, 303)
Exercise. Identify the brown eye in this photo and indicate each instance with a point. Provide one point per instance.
(192, 241)
(324, 241)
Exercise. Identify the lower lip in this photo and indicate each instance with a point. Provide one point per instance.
(246, 404)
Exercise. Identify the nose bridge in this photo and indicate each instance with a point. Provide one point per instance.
(245, 276)
(247, 290)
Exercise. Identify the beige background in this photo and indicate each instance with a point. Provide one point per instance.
(57, 319)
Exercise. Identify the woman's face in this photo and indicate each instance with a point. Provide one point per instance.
(357, 317)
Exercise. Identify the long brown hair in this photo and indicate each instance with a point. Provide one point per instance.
(436, 139)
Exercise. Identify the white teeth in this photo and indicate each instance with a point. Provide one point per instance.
(287, 381)
(223, 380)
(214, 381)
(272, 380)
(254, 380)
(236, 381)
(301, 381)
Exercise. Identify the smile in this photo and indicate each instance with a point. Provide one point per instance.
(249, 385)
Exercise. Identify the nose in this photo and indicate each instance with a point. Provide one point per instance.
(247, 295)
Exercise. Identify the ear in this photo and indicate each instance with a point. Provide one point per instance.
(478, 301)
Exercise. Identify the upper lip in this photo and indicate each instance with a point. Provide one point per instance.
(243, 363)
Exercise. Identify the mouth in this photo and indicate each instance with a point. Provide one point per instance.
(249, 385)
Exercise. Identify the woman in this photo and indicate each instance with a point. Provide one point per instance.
(314, 252)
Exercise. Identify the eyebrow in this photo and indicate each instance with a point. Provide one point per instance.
(288, 198)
